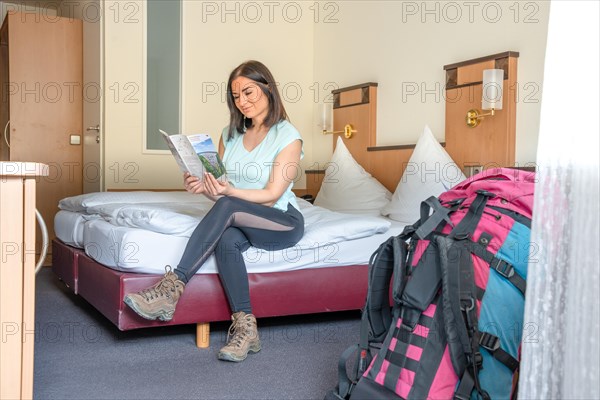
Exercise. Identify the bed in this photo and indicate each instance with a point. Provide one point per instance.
(101, 253)
(102, 261)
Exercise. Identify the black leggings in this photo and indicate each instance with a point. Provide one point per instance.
(230, 227)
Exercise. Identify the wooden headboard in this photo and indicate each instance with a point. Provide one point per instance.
(492, 142)
(357, 105)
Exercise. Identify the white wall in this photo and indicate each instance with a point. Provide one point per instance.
(404, 45)
(219, 36)
(216, 39)
(325, 44)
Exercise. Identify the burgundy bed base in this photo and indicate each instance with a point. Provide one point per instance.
(274, 294)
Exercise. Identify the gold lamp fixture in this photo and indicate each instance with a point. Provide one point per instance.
(491, 97)
(326, 122)
(348, 131)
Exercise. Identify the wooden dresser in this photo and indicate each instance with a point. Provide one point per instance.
(17, 276)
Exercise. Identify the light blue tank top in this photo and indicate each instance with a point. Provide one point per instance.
(252, 169)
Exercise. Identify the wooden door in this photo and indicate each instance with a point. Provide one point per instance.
(4, 112)
(45, 95)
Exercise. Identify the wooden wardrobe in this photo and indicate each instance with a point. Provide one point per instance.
(41, 72)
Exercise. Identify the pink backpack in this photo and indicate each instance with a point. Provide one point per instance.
(458, 279)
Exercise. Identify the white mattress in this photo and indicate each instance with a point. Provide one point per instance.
(68, 227)
(144, 231)
(143, 251)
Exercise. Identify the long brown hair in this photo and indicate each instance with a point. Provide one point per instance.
(260, 74)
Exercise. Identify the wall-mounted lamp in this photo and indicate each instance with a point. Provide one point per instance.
(326, 122)
(348, 131)
(491, 97)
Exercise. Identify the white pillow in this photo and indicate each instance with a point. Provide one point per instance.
(348, 188)
(81, 202)
(178, 219)
(429, 172)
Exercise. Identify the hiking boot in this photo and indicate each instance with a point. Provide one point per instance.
(244, 338)
(157, 301)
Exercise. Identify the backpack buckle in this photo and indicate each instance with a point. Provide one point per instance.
(455, 202)
(475, 359)
(462, 236)
(468, 306)
(485, 193)
(503, 268)
(489, 342)
(407, 327)
(410, 318)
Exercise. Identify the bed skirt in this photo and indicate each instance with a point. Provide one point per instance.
(305, 291)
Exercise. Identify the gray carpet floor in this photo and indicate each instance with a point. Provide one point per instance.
(79, 354)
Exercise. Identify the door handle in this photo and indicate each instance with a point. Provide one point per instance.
(5, 133)
(94, 128)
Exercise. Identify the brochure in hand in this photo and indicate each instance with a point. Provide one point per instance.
(196, 154)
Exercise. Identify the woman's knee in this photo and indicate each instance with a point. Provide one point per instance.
(224, 201)
(223, 208)
(232, 240)
(228, 204)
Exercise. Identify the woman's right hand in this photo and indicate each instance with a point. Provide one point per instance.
(193, 184)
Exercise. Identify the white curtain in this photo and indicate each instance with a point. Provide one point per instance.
(561, 335)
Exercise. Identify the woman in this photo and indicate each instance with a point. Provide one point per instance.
(256, 207)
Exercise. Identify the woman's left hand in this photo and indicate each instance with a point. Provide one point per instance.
(215, 187)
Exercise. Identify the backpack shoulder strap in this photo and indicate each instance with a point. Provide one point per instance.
(428, 223)
(460, 315)
(388, 260)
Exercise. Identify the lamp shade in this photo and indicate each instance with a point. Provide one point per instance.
(491, 97)
(326, 116)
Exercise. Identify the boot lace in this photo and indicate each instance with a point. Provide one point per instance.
(238, 331)
(163, 288)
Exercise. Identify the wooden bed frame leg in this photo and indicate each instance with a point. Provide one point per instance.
(203, 335)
